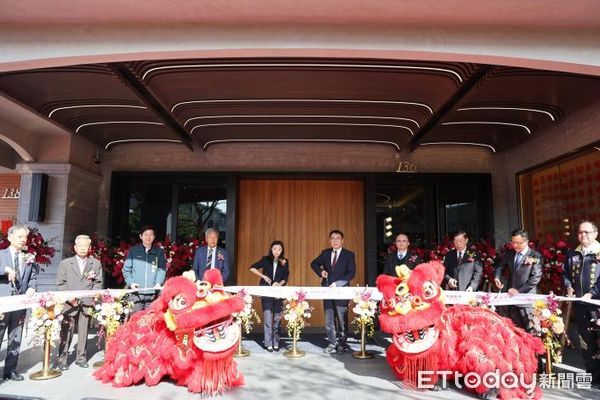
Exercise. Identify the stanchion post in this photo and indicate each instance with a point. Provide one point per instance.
(362, 354)
(294, 352)
(46, 372)
(241, 352)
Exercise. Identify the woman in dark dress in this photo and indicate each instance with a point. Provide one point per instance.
(273, 270)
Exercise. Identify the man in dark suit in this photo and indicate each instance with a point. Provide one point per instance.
(211, 256)
(463, 266)
(336, 267)
(524, 273)
(582, 279)
(77, 273)
(21, 272)
(402, 256)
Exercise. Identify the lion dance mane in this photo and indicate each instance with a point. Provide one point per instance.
(188, 334)
(427, 336)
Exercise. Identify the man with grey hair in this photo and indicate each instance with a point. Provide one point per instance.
(79, 272)
(211, 256)
(21, 271)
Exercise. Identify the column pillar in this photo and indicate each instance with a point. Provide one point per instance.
(71, 209)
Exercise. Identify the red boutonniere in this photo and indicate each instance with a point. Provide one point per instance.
(220, 256)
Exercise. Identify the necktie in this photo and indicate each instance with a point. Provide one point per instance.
(460, 257)
(401, 256)
(17, 269)
(518, 259)
(209, 259)
(334, 260)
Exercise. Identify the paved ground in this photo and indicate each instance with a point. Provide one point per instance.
(268, 376)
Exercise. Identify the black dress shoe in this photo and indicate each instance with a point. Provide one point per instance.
(14, 376)
(275, 348)
(82, 364)
(63, 367)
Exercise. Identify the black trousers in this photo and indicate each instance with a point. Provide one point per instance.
(588, 339)
(13, 322)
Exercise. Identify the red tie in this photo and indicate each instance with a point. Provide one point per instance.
(334, 260)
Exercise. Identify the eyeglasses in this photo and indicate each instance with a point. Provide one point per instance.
(518, 243)
(401, 241)
(587, 233)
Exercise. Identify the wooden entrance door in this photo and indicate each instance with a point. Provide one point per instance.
(301, 213)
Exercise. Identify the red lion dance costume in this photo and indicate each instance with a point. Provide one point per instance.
(188, 334)
(427, 336)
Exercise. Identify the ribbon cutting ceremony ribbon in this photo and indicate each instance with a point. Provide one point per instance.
(348, 292)
(20, 302)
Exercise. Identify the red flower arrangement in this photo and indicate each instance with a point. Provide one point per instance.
(179, 254)
(438, 251)
(111, 257)
(553, 254)
(490, 258)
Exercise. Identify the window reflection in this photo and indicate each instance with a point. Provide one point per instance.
(201, 207)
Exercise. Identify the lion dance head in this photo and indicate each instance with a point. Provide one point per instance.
(188, 333)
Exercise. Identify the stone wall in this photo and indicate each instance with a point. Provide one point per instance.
(71, 208)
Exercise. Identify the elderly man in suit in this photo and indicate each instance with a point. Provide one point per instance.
(211, 256)
(463, 266)
(79, 272)
(524, 267)
(402, 256)
(336, 267)
(21, 272)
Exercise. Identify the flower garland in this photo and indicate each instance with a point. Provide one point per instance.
(297, 310)
(46, 319)
(364, 311)
(110, 312)
(548, 324)
(248, 315)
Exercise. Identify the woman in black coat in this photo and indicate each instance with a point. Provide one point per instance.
(274, 271)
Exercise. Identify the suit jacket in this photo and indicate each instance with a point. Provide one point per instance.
(468, 273)
(582, 273)
(69, 276)
(281, 273)
(526, 276)
(344, 271)
(27, 279)
(221, 262)
(411, 260)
